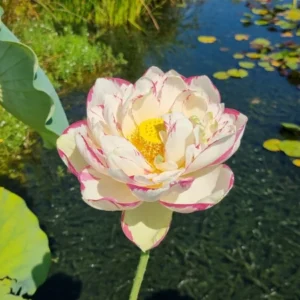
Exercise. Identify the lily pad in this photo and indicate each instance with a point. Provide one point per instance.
(291, 126)
(205, 39)
(237, 73)
(25, 90)
(238, 56)
(260, 43)
(264, 64)
(272, 145)
(261, 22)
(296, 162)
(287, 34)
(221, 75)
(253, 55)
(241, 37)
(290, 148)
(285, 25)
(245, 21)
(24, 250)
(275, 63)
(270, 69)
(246, 64)
(259, 11)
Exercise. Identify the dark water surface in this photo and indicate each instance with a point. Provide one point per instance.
(247, 247)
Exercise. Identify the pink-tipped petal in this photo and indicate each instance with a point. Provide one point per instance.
(147, 225)
(200, 83)
(210, 154)
(68, 150)
(121, 154)
(209, 187)
(104, 193)
(168, 90)
(179, 136)
(153, 73)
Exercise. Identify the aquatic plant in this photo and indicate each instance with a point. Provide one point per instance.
(24, 251)
(146, 148)
(25, 90)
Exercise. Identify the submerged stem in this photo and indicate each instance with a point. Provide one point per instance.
(139, 275)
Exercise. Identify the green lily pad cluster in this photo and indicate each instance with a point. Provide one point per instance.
(290, 148)
(235, 73)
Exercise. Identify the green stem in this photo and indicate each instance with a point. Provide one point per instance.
(139, 275)
(295, 4)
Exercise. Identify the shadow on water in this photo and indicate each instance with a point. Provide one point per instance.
(59, 287)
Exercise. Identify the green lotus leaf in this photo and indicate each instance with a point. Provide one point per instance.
(246, 64)
(5, 290)
(245, 21)
(25, 90)
(264, 64)
(290, 148)
(291, 126)
(24, 250)
(292, 15)
(272, 145)
(237, 73)
(221, 75)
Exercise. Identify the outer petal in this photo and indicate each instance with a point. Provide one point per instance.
(240, 124)
(153, 73)
(68, 150)
(102, 192)
(147, 225)
(106, 86)
(198, 83)
(209, 188)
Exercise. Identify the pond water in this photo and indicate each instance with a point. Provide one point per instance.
(247, 247)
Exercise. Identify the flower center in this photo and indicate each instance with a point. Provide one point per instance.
(147, 140)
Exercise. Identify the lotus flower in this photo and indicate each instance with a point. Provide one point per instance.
(153, 148)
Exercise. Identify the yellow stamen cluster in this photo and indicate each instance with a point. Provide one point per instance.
(147, 140)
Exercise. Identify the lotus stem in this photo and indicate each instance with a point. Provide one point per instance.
(295, 4)
(139, 275)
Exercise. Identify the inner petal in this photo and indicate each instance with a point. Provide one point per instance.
(147, 138)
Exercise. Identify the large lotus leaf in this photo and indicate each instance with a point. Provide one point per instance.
(25, 90)
(5, 290)
(24, 251)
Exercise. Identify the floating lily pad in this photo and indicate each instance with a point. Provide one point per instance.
(24, 250)
(296, 162)
(238, 56)
(205, 39)
(275, 63)
(277, 55)
(270, 69)
(261, 22)
(264, 64)
(285, 25)
(253, 55)
(259, 11)
(290, 148)
(241, 37)
(292, 15)
(247, 15)
(237, 73)
(245, 21)
(287, 34)
(246, 64)
(298, 32)
(272, 145)
(291, 126)
(221, 75)
(260, 43)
